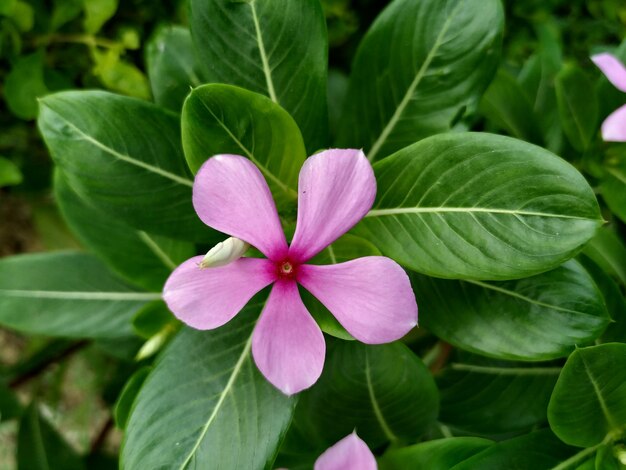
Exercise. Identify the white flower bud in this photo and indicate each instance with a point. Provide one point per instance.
(224, 253)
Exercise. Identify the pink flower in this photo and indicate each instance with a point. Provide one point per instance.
(614, 126)
(371, 297)
(350, 453)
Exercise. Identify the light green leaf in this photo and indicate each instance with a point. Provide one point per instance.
(10, 174)
(220, 119)
(123, 156)
(140, 258)
(588, 404)
(537, 318)
(205, 404)
(66, 294)
(479, 206)
(419, 67)
(98, 12)
(172, 66)
(24, 84)
(278, 49)
(119, 75)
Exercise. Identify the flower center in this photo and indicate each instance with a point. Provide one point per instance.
(286, 269)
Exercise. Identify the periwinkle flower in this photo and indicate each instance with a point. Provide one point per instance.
(350, 453)
(614, 126)
(371, 296)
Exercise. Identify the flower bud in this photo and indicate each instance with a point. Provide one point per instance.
(224, 253)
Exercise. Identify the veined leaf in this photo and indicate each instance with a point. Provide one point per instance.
(277, 48)
(613, 188)
(532, 319)
(418, 68)
(479, 206)
(205, 404)
(66, 294)
(124, 157)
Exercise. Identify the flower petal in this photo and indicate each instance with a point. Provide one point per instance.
(287, 345)
(612, 69)
(371, 297)
(207, 298)
(231, 195)
(335, 190)
(614, 126)
(350, 453)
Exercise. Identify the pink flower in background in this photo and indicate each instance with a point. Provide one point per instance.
(350, 453)
(614, 126)
(371, 296)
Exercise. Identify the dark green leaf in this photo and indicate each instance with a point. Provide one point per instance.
(10, 406)
(589, 400)
(613, 188)
(124, 157)
(278, 49)
(40, 447)
(578, 106)
(129, 393)
(140, 258)
(440, 454)
(608, 251)
(537, 318)
(383, 391)
(418, 67)
(172, 66)
(205, 404)
(24, 84)
(221, 119)
(479, 206)
(152, 318)
(66, 294)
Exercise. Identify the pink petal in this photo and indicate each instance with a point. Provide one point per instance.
(612, 68)
(371, 297)
(335, 190)
(231, 195)
(207, 298)
(287, 345)
(350, 453)
(614, 126)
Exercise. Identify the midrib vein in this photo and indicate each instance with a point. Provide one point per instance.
(127, 158)
(468, 210)
(596, 388)
(506, 370)
(267, 71)
(377, 411)
(79, 295)
(229, 385)
(156, 249)
(380, 141)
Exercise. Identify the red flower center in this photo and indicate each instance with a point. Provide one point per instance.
(286, 269)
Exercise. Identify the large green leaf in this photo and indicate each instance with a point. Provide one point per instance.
(477, 395)
(383, 391)
(124, 156)
(226, 119)
(205, 404)
(613, 187)
(277, 48)
(40, 447)
(589, 400)
(172, 66)
(439, 454)
(66, 294)
(537, 318)
(143, 259)
(418, 68)
(479, 206)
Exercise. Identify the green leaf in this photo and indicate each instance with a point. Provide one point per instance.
(124, 157)
(172, 66)
(24, 84)
(578, 106)
(98, 12)
(127, 397)
(419, 67)
(10, 406)
(479, 206)
(439, 454)
(383, 391)
(205, 404)
(140, 258)
(533, 319)
(537, 450)
(278, 49)
(589, 400)
(64, 11)
(66, 294)
(478, 396)
(220, 119)
(40, 447)
(506, 104)
(613, 188)
(152, 318)
(119, 75)
(608, 251)
(10, 174)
